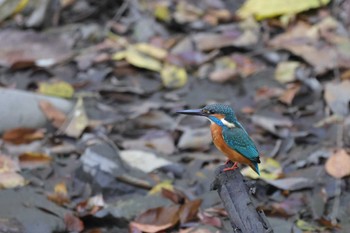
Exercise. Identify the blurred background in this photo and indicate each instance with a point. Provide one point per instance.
(90, 141)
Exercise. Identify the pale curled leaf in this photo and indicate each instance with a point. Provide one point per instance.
(76, 122)
(285, 71)
(142, 160)
(338, 165)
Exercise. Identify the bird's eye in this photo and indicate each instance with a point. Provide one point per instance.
(208, 111)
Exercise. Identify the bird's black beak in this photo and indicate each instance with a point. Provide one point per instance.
(195, 112)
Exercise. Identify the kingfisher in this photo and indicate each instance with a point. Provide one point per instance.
(229, 136)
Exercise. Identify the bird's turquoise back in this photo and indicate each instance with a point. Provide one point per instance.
(238, 140)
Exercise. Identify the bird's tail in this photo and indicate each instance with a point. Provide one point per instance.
(255, 167)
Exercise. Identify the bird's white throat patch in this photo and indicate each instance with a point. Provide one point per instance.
(228, 124)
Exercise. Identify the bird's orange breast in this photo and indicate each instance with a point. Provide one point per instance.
(234, 156)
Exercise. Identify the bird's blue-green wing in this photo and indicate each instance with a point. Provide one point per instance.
(238, 139)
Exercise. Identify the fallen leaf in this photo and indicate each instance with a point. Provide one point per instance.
(90, 206)
(270, 169)
(273, 125)
(337, 96)
(246, 66)
(199, 138)
(166, 184)
(243, 34)
(265, 92)
(288, 96)
(55, 116)
(290, 206)
(302, 41)
(157, 140)
(155, 119)
(189, 210)
(209, 219)
(161, 12)
(157, 219)
(56, 88)
(223, 75)
(9, 178)
(22, 135)
(73, 224)
(76, 122)
(142, 160)
(176, 196)
(138, 59)
(33, 160)
(151, 50)
(307, 227)
(25, 48)
(262, 9)
(173, 76)
(60, 194)
(11, 7)
(338, 164)
(285, 71)
(292, 183)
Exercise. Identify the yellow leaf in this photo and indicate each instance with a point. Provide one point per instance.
(262, 9)
(61, 188)
(162, 12)
(59, 88)
(173, 76)
(136, 58)
(151, 50)
(21, 5)
(305, 226)
(120, 55)
(285, 71)
(270, 169)
(162, 185)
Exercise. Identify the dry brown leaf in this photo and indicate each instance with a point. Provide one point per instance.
(25, 48)
(34, 160)
(73, 224)
(54, 115)
(157, 219)
(23, 135)
(189, 210)
(288, 96)
(338, 165)
(60, 194)
(302, 42)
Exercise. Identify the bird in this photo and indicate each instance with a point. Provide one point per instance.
(229, 135)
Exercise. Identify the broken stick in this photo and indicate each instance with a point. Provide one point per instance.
(234, 193)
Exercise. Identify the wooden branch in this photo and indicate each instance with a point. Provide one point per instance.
(234, 193)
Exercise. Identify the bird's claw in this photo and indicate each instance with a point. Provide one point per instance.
(234, 167)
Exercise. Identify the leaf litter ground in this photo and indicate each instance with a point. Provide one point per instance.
(90, 138)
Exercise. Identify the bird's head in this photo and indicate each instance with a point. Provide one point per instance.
(220, 114)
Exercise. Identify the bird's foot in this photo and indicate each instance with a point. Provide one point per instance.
(227, 161)
(234, 167)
